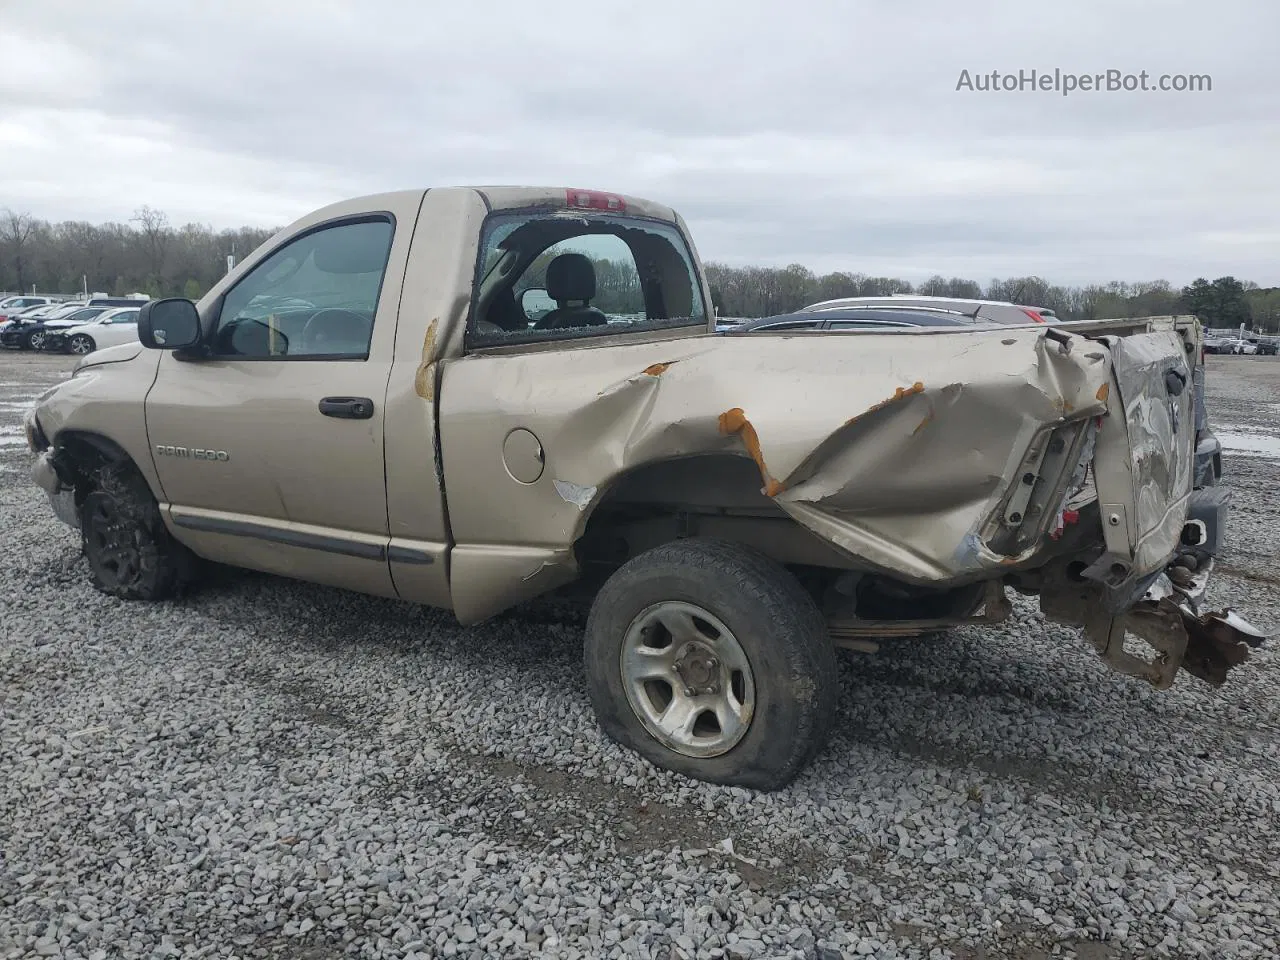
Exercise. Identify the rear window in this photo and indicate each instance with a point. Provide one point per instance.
(556, 276)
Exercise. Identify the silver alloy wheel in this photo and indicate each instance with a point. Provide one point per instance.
(36, 340)
(688, 679)
(81, 344)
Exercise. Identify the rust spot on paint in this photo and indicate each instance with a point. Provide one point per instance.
(1102, 393)
(898, 394)
(657, 369)
(424, 381)
(735, 422)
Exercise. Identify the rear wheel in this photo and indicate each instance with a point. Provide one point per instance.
(131, 555)
(710, 660)
(81, 343)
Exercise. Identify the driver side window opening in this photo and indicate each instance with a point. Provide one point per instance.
(548, 276)
(314, 298)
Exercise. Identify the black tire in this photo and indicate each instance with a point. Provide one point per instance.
(80, 340)
(34, 339)
(778, 627)
(131, 555)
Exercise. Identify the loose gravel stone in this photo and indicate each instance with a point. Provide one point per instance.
(269, 768)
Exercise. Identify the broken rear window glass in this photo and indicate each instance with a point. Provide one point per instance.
(552, 276)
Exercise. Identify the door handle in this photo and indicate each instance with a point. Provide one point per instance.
(347, 408)
(1174, 382)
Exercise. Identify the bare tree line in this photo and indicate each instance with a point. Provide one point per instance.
(148, 254)
(1225, 302)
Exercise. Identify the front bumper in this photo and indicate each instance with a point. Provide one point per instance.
(54, 343)
(62, 498)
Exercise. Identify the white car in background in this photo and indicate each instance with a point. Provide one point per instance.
(112, 327)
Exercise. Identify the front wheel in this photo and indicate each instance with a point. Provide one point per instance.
(81, 343)
(35, 339)
(709, 659)
(131, 555)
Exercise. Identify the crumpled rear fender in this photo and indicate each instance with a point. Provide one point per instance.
(900, 449)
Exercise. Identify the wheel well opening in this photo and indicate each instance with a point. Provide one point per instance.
(81, 458)
(704, 495)
(720, 496)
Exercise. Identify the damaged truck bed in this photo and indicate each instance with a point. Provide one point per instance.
(736, 503)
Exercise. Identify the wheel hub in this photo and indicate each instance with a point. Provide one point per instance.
(698, 669)
(687, 678)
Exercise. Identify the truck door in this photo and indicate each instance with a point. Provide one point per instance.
(270, 449)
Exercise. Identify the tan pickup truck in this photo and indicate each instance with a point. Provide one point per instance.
(468, 397)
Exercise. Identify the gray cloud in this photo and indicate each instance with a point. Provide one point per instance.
(812, 132)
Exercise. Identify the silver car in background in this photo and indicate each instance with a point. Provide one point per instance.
(995, 311)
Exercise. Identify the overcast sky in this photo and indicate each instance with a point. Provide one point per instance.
(826, 133)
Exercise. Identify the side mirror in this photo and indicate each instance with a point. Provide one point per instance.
(169, 324)
(536, 303)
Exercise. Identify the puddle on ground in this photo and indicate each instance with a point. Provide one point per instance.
(1249, 444)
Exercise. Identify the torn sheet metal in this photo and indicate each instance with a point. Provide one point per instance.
(575, 493)
(1146, 456)
(1168, 618)
(898, 449)
(1216, 642)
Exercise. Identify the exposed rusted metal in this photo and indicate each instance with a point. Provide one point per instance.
(657, 369)
(901, 393)
(735, 422)
(424, 381)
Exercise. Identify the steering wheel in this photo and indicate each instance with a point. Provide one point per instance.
(309, 329)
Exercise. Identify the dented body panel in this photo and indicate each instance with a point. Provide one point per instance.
(1059, 461)
(896, 449)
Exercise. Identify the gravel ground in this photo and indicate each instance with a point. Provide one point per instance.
(271, 769)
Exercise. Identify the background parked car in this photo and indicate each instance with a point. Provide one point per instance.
(854, 318)
(1244, 347)
(11, 307)
(30, 315)
(28, 330)
(64, 321)
(1217, 345)
(991, 311)
(113, 326)
(104, 301)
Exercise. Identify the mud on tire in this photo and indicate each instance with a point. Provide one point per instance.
(131, 555)
(768, 618)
